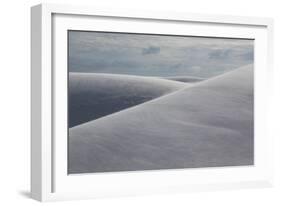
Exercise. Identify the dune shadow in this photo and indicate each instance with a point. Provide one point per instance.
(92, 96)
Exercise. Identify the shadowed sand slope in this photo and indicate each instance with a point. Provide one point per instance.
(210, 124)
(92, 96)
(187, 79)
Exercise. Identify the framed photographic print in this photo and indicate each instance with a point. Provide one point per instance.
(136, 102)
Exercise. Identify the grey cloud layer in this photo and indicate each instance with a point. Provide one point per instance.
(151, 50)
(154, 55)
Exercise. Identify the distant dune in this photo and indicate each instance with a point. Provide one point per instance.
(207, 125)
(187, 79)
(92, 96)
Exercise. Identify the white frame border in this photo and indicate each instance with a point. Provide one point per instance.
(42, 88)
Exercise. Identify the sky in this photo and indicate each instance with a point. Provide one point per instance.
(156, 55)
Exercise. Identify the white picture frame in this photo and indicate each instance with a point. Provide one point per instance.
(49, 179)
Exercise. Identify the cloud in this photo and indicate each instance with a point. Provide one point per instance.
(152, 55)
(248, 55)
(195, 68)
(151, 50)
(220, 54)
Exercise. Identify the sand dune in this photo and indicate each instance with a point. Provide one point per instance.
(209, 124)
(92, 96)
(187, 79)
